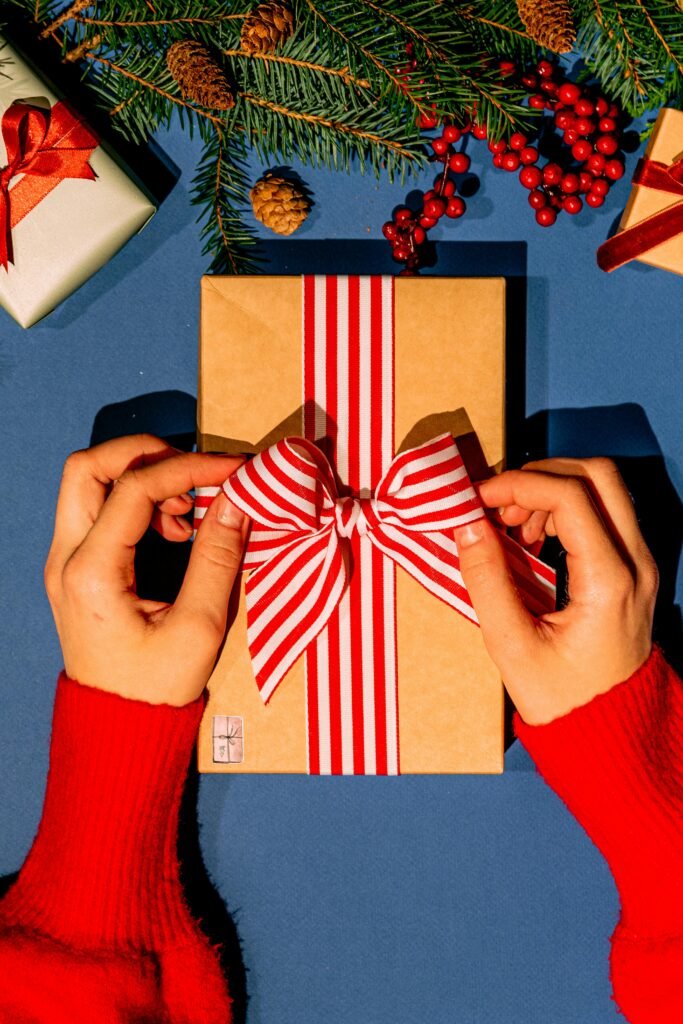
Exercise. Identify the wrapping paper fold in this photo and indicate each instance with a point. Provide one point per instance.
(78, 222)
(449, 345)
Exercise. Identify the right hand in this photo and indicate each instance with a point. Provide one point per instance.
(563, 659)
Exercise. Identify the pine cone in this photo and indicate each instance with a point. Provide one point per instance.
(198, 75)
(549, 23)
(268, 26)
(279, 204)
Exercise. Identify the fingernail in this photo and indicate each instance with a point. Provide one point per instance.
(187, 497)
(470, 533)
(227, 513)
(187, 527)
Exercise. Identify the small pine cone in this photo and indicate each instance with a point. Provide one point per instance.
(549, 23)
(268, 26)
(198, 75)
(279, 204)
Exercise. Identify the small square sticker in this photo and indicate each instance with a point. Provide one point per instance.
(228, 739)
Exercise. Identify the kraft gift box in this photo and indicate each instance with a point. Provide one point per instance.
(449, 352)
(665, 147)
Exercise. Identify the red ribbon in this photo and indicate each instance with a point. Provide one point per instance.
(659, 227)
(46, 146)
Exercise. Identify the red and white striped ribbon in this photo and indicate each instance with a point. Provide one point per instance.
(348, 390)
(333, 513)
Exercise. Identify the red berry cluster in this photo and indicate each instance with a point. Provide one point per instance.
(587, 163)
(589, 124)
(407, 231)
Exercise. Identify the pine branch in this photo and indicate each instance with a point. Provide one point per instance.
(635, 50)
(408, 30)
(40, 10)
(660, 38)
(221, 189)
(335, 138)
(496, 26)
(384, 70)
(361, 137)
(470, 15)
(123, 23)
(64, 16)
(274, 58)
(630, 59)
(475, 84)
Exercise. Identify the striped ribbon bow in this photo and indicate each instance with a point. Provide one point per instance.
(299, 544)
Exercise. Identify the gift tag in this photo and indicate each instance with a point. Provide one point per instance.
(228, 739)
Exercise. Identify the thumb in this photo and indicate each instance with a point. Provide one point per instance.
(507, 628)
(214, 563)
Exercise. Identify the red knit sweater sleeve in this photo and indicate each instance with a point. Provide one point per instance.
(96, 926)
(617, 763)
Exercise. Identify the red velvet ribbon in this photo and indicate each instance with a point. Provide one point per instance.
(659, 227)
(46, 146)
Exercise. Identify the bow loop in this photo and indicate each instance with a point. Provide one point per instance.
(45, 146)
(288, 487)
(427, 489)
(23, 131)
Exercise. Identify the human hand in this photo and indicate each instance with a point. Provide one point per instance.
(110, 637)
(563, 659)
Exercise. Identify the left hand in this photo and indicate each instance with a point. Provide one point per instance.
(111, 638)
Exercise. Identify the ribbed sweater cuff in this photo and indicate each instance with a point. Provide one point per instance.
(617, 763)
(103, 868)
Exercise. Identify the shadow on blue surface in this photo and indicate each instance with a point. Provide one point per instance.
(127, 262)
(624, 434)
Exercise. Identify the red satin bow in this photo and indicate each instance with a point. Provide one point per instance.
(660, 227)
(46, 146)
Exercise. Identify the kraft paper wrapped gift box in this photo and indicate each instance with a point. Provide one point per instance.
(449, 345)
(78, 223)
(657, 192)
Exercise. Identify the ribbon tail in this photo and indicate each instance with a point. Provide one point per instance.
(203, 498)
(637, 240)
(289, 602)
(535, 581)
(431, 559)
(66, 130)
(264, 544)
(5, 230)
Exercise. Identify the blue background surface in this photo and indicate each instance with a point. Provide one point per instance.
(470, 899)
